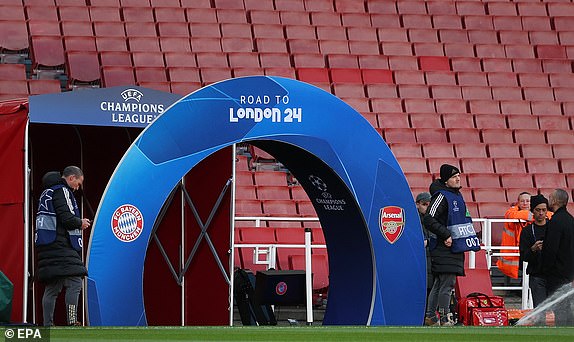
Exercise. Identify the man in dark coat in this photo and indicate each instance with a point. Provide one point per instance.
(558, 254)
(531, 241)
(445, 265)
(58, 241)
(422, 202)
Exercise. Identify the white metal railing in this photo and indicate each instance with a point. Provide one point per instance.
(268, 251)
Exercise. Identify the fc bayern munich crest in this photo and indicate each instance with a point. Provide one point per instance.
(127, 223)
(281, 288)
(392, 222)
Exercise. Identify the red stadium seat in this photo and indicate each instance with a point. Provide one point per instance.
(542, 165)
(399, 135)
(484, 107)
(520, 121)
(516, 180)
(117, 75)
(44, 12)
(456, 120)
(503, 150)
(291, 236)
(254, 235)
(37, 87)
(562, 136)
(509, 165)
(552, 180)
(492, 135)
(406, 150)
(137, 14)
(468, 150)
(529, 136)
(13, 89)
(483, 180)
(13, 35)
(200, 44)
(150, 74)
(245, 192)
(12, 12)
(489, 195)
(273, 192)
(440, 78)
(490, 121)
(437, 150)
(280, 208)
(463, 135)
(147, 59)
(412, 165)
(561, 151)
(143, 44)
(140, 29)
(430, 135)
(425, 120)
(306, 209)
(169, 14)
(515, 107)
(82, 67)
(476, 165)
(179, 59)
(80, 43)
(491, 209)
(418, 179)
(12, 72)
(211, 60)
(536, 151)
(106, 29)
(175, 44)
(47, 51)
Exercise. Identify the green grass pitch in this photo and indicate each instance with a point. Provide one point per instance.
(314, 333)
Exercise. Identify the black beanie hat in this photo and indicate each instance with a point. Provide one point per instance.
(536, 200)
(447, 171)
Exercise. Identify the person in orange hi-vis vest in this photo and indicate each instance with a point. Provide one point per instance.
(511, 234)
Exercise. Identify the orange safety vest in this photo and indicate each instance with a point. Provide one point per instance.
(511, 237)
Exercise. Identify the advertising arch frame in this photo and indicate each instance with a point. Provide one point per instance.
(371, 225)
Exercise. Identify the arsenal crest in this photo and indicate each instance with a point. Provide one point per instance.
(392, 222)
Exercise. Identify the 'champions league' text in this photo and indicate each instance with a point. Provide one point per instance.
(257, 114)
(144, 113)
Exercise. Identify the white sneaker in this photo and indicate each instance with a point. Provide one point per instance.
(448, 322)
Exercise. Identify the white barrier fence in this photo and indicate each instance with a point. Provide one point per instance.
(265, 254)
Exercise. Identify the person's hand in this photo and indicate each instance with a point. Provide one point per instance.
(86, 223)
(537, 246)
(448, 242)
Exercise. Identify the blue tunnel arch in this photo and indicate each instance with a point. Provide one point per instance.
(377, 275)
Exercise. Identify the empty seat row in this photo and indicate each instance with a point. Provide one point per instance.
(540, 168)
(480, 150)
(274, 207)
(12, 89)
(463, 120)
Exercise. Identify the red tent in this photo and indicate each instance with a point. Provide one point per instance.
(13, 118)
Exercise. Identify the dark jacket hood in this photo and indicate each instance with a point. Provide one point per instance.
(50, 179)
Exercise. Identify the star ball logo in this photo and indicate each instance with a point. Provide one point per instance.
(127, 223)
(392, 223)
(318, 183)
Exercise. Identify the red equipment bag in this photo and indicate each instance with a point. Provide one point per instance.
(480, 309)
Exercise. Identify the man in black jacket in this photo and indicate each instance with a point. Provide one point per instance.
(558, 254)
(531, 241)
(59, 242)
(446, 266)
